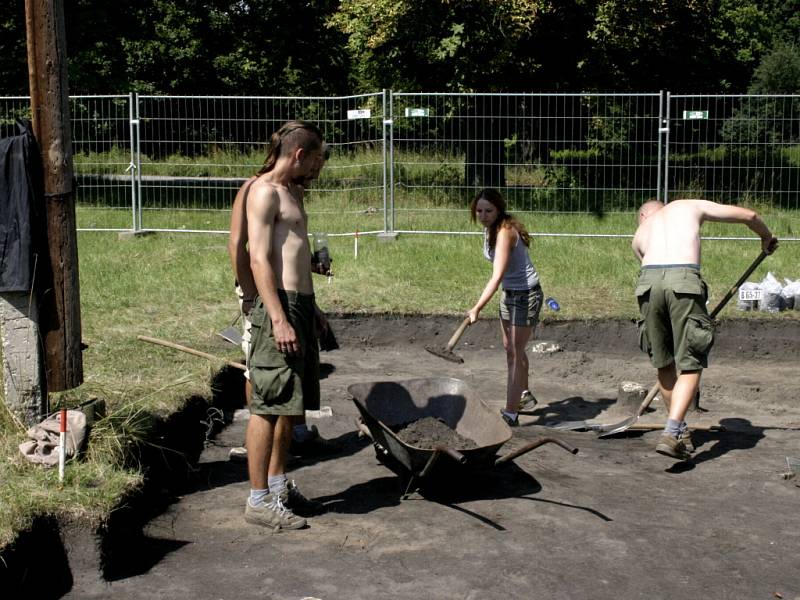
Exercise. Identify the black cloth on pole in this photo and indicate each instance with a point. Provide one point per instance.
(23, 247)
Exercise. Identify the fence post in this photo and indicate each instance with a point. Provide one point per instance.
(138, 123)
(660, 144)
(664, 128)
(132, 166)
(385, 122)
(388, 212)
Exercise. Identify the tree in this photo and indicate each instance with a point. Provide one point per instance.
(13, 53)
(695, 45)
(461, 45)
(189, 46)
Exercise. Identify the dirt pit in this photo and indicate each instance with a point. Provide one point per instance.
(616, 521)
(429, 432)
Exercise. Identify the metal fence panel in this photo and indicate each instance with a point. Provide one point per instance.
(547, 153)
(103, 161)
(561, 160)
(197, 151)
(101, 146)
(740, 149)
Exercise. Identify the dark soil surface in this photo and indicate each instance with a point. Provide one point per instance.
(615, 521)
(430, 432)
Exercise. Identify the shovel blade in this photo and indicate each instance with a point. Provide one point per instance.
(569, 425)
(445, 354)
(232, 335)
(615, 428)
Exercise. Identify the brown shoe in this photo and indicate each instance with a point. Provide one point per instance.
(672, 447)
(686, 437)
(273, 515)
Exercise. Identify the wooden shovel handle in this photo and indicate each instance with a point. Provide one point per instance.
(457, 335)
(647, 400)
(736, 285)
(188, 350)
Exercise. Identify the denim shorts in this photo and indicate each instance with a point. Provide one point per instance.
(521, 307)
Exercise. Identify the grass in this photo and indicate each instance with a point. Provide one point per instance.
(178, 287)
(429, 192)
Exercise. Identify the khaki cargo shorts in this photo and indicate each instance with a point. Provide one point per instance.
(675, 326)
(284, 385)
(245, 330)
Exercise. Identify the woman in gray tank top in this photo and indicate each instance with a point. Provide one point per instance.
(505, 244)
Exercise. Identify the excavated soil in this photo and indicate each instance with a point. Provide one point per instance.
(429, 432)
(615, 521)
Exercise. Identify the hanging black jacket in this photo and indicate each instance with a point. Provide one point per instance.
(23, 250)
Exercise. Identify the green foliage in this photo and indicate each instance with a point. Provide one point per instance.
(699, 45)
(408, 44)
(13, 53)
(320, 47)
(778, 72)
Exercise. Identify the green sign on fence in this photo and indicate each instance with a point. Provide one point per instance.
(695, 114)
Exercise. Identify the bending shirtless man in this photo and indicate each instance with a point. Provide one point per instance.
(283, 359)
(675, 330)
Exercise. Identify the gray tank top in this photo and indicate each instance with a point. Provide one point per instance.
(520, 273)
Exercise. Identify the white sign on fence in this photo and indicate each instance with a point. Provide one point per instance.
(695, 114)
(363, 113)
(417, 112)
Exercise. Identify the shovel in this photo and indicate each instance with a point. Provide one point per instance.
(232, 334)
(616, 428)
(447, 352)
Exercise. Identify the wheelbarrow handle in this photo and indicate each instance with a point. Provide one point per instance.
(437, 452)
(533, 445)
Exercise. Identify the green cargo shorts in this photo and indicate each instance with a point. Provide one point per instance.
(284, 385)
(675, 326)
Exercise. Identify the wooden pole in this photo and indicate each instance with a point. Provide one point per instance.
(47, 72)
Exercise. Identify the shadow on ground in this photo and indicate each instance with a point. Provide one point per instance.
(574, 408)
(739, 434)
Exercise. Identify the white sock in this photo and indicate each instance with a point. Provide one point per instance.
(257, 497)
(277, 483)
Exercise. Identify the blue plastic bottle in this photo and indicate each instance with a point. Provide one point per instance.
(552, 304)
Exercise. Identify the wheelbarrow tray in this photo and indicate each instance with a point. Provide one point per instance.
(386, 405)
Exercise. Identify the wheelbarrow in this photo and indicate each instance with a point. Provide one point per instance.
(386, 406)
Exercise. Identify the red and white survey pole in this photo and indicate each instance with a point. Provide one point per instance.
(62, 443)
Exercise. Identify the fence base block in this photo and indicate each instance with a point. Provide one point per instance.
(387, 236)
(133, 233)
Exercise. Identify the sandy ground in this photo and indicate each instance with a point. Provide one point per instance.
(615, 521)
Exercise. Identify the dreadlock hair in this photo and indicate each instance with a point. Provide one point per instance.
(504, 219)
(291, 135)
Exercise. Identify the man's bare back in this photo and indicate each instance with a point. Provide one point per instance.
(670, 234)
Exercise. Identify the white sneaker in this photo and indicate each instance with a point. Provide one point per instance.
(527, 401)
(238, 454)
